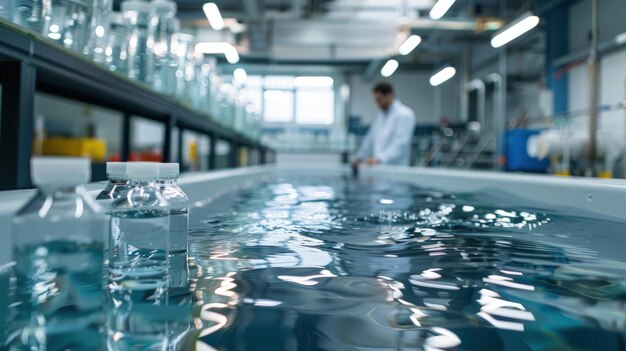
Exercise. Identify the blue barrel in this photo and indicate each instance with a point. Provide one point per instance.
(517, 159)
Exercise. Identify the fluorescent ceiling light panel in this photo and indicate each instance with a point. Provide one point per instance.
(227, 49)
(213, 15)
(515, 29)
(409, 44)
(313, 82)
(240, 75)
(389, 68)
(440, 9)
(442, 76)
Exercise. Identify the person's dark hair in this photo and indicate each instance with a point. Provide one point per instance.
(384, 88)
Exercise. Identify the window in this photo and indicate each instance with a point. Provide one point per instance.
(288, 99)
(278, 106)
(315, 106)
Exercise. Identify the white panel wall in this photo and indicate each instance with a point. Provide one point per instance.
(612, 66)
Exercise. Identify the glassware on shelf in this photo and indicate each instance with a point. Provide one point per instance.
(215, 96)
(30, 13)
(183, 49)
(68, 22)
(202, 88)
(99, 30)
(116, 48)
(6, 9)
(163, 26)
(137, 17)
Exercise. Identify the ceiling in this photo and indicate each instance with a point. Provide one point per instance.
(350, 31)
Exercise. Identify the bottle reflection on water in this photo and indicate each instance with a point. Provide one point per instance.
(58, 250)
(138, 264)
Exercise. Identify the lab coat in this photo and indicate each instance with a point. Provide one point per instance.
(389, 137)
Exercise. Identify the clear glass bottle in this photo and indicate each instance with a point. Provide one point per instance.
(183, 49)
(139, 238)
(68, 22)
(30, 13)
(116, 49)
(118, 182)
(167, 185)
(137, 16)
(58, 249)
(6, 9)
(162, 28)
(138, 264)
(99, 30)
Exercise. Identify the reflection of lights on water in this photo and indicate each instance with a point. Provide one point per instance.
(385, 202)
(511, 272)
(445, 340)
(306, 280)
(494, 305)
(222, 256)
(202, 346)
(262, 302)
(508, 282)
(431, 273)
(468, 208)
(504, 213)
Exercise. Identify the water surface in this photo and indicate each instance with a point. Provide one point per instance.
(330, 263)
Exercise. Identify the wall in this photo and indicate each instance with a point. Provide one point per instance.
(612, 66)
(413, 89)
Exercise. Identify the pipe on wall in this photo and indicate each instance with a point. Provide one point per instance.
(594, 77)
(498, 115)
(479, 86)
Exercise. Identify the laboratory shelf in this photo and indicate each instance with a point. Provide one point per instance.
(30, 63)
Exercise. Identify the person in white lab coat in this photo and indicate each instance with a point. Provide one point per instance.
(388, 140)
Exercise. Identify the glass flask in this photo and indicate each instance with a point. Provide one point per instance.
(136, 14)
(116, 48)
(162, 28)
(183, 49)
(30, 14)
(68, 22)
(99, 30)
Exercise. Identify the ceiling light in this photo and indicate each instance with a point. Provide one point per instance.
(313, 82)
(409, 44)
(227, 49)
(213, 15)
(389, 68)
(440, 9)
(240, 75)
(442, 76)
(514, 29)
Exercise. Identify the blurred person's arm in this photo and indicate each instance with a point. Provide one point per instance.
(367, 145)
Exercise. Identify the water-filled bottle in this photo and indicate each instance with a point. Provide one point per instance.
(167, 185)
(117, 184)
(138, 263)
(6, 9)
(116, 48)
(137, 17)
(162, 28)
(58, 249)
(68, 22)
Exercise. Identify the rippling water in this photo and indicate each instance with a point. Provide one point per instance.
(336, 264)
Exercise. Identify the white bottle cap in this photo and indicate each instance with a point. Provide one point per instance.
(142, 170)
(135, 5)
(116, 169)
(60, 171)
(169, 170)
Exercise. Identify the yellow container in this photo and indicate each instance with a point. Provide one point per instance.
(93, 148)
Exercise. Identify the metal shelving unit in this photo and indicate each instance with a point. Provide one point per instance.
(30, 63)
